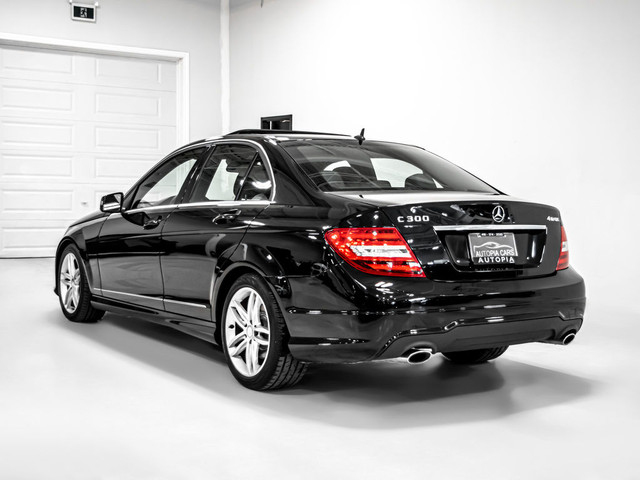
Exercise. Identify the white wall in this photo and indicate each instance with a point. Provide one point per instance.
(191, 26)
(539, 97)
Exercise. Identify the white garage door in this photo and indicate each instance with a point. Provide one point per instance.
(74, 126)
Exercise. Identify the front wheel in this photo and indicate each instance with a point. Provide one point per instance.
(472, 357)
(73, 288)
(254, 337)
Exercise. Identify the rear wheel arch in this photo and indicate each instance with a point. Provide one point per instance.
(224, 284)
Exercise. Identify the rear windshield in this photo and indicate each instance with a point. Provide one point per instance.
(338, 165)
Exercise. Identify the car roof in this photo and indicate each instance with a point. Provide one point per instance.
(277, 135)
(264, 132)
(286, 135)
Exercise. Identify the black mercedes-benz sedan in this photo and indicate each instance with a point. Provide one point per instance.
(291, 248)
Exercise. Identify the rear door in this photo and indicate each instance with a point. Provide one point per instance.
(232, 187)
(129, 247)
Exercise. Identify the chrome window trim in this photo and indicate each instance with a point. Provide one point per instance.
(147, 209)
(225, 203)
(212, 203)
(487, 228)
(186, 147)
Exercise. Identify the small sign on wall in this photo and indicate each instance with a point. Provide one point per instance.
(83, 12)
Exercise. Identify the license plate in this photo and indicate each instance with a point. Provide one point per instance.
(493, 248)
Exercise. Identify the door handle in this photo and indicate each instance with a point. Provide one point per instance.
(151, 223)
(226, 216)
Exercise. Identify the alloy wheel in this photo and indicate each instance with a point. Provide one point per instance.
(247, 331)
(70, 283)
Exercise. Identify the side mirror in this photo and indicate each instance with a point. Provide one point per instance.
(111, 203)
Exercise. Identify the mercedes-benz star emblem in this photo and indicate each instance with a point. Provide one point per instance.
(498, 214)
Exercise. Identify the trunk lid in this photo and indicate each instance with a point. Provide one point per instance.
(467, 236)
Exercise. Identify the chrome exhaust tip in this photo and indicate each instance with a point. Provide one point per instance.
(565, 339)
(418, 355)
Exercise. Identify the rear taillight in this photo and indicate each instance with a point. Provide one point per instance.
(563, 259)
(381, 251)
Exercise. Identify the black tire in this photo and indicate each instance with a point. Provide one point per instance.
(81, 310)
(278, 368)
(472, 357)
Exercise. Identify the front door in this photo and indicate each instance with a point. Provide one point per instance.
(130, 246)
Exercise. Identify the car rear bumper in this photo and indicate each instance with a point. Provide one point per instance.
(449, 317)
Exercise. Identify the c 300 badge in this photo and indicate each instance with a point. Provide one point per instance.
(413, 218)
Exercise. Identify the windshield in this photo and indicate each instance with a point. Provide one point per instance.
(338, 165)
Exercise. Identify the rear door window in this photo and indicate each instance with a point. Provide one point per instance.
(232, 172)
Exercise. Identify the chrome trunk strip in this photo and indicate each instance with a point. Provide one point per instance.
(487, 228)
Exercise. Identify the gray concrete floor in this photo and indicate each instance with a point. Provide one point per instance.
(123, 399)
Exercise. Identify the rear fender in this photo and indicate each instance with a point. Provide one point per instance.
(256, 258)
(248, 260)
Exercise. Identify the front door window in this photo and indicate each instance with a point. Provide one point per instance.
(163, 185)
